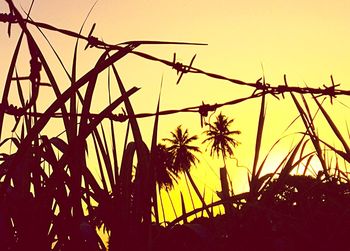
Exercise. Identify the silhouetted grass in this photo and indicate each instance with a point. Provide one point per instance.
(50, 198)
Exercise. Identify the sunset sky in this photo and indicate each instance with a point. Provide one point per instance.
(306, 40)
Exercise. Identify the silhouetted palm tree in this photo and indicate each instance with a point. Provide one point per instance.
(183, 155)
(220, 137)
(181, 150)
(164, 171)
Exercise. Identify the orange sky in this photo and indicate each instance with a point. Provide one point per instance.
(307, 40)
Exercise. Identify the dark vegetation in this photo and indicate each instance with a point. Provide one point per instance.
(50, 199)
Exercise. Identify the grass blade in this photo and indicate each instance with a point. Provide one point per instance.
(99, 149)
(308, 123)
(7, 85)
(333, 126)
(255, 173)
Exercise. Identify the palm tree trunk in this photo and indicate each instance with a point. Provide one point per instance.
(198, 193)
(172, 204)
(225, 194)
(226, 187)
(190, 193)
(161, 203)
(230, 187)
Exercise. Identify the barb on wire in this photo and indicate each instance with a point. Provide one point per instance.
(203, 110)
(121, 117)
(262, 86)
(180, 68)
(330, 90)
(91, 40)
(7, 18)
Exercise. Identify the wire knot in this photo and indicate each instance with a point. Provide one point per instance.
(7, 18)
(204, 109)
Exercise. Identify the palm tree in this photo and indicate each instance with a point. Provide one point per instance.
(222, 143)
(220, 137)
(183, 156)
(164, 172)
(181, 150)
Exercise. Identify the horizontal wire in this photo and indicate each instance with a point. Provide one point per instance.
(259, 88)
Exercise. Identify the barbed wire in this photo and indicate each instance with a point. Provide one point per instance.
(203, 110)
(178, 66)
(259, 88)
